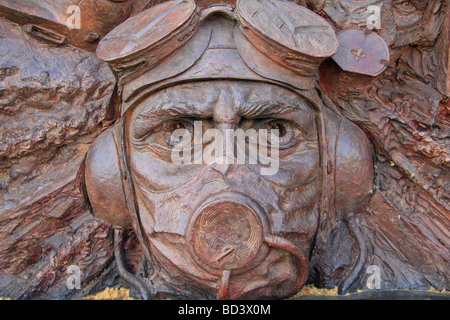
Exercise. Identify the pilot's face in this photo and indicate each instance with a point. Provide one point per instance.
(207, 221)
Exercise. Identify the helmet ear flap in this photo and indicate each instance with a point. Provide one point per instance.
(104, 179)
(350, 165)
(354, 177)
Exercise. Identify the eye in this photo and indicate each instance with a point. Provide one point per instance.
(287, 133)
(178, 132)
(404, 7)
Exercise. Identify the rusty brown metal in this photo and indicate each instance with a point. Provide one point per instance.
(217, 232)
(157, 31)
(203, 4)
(291, 35)
(45, 34)
(334, 209)
(303, 263)
(224, 285)
(227, 234)
(48, 20)
(361, 52)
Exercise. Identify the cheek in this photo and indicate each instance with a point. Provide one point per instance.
(301, 211)
(294, 170)
(159, 175)
(170, 211)
(289, 210)
(303, 166)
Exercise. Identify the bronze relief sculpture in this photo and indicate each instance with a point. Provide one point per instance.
(210, 225)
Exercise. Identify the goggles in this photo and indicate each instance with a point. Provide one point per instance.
(265, 40)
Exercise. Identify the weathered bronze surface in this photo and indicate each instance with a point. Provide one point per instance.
(49, 20)
(362, 52)
(87, 174)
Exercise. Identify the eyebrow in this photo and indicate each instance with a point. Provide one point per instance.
(151, 117)
(246, 110)
(170, 110)
(267, 109)
(203, 104)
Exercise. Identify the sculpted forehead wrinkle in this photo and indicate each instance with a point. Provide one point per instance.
(270, 99)
(192, 98)
(226, 101)
(171, 103)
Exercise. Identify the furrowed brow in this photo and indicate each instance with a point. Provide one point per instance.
(261, 109)
(173, 110)
(149, 118)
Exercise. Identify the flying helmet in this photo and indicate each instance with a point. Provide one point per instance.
(270, 41)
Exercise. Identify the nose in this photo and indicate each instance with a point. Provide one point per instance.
(223, 161)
